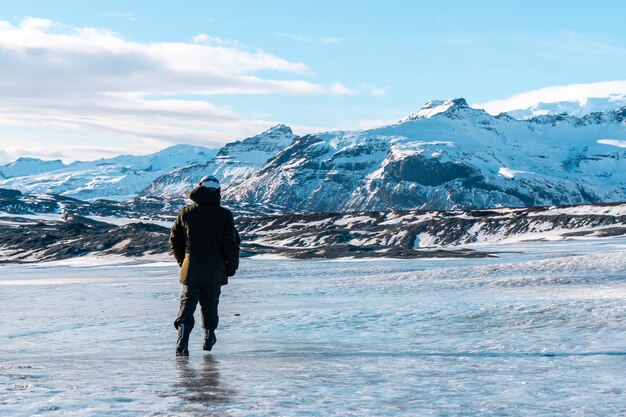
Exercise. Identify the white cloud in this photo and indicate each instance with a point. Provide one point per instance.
(373, 90)
(365, 124)
(6, 157)
(324, 40)
(378, 92)
(571, 92)
(94, 80)
(217, 41)
(341, 90)
(67, 153)
(124, 15)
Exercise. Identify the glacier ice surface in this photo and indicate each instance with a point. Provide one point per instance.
(539, 331)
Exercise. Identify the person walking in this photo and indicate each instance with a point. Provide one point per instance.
(206, 246)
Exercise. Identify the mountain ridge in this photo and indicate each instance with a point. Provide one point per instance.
(119, 178)
(234, 162)
(452, 157)
(447, 155)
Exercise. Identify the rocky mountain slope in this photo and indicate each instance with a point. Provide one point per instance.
(28, 237)
(232, 164)
(33, 240)
(152, 209)
(415, 232)
(449, 156)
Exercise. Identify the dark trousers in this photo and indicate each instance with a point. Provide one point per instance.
(208, 298)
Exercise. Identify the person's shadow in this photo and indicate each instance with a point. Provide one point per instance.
(203, 387)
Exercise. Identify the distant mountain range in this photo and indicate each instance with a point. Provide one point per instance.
(445, 156)
(120, 178)
(232, 164)
(578, 108)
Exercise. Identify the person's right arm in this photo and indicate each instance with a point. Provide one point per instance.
(177, 239)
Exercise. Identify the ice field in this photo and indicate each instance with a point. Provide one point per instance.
(539, 331)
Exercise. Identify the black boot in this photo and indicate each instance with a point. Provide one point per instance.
(209, 339)
(182, 343)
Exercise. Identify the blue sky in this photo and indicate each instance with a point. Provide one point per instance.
(316, 65)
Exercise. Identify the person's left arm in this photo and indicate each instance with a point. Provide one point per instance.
(230, 245)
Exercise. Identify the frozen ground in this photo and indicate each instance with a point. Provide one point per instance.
(537, 333)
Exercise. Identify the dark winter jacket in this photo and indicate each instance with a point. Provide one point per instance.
(205, 241)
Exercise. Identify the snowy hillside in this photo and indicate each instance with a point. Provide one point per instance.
(118, 178)
(170, 173)
(29, 166)
(152, 209)
(577, 100)
(449, 156)
(233, 163)
(414, 234)
(579, 108)
(65, 228)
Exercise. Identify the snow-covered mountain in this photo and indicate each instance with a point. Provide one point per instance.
(29, 166)
(578, 108)
(578, 100)
(449, 156)
(232, 164)
(169, 173)
(120, 178)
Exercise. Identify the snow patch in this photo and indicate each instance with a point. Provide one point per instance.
(511, 173)
(613, 142)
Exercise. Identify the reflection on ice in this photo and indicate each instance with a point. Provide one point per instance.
(202, 386)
